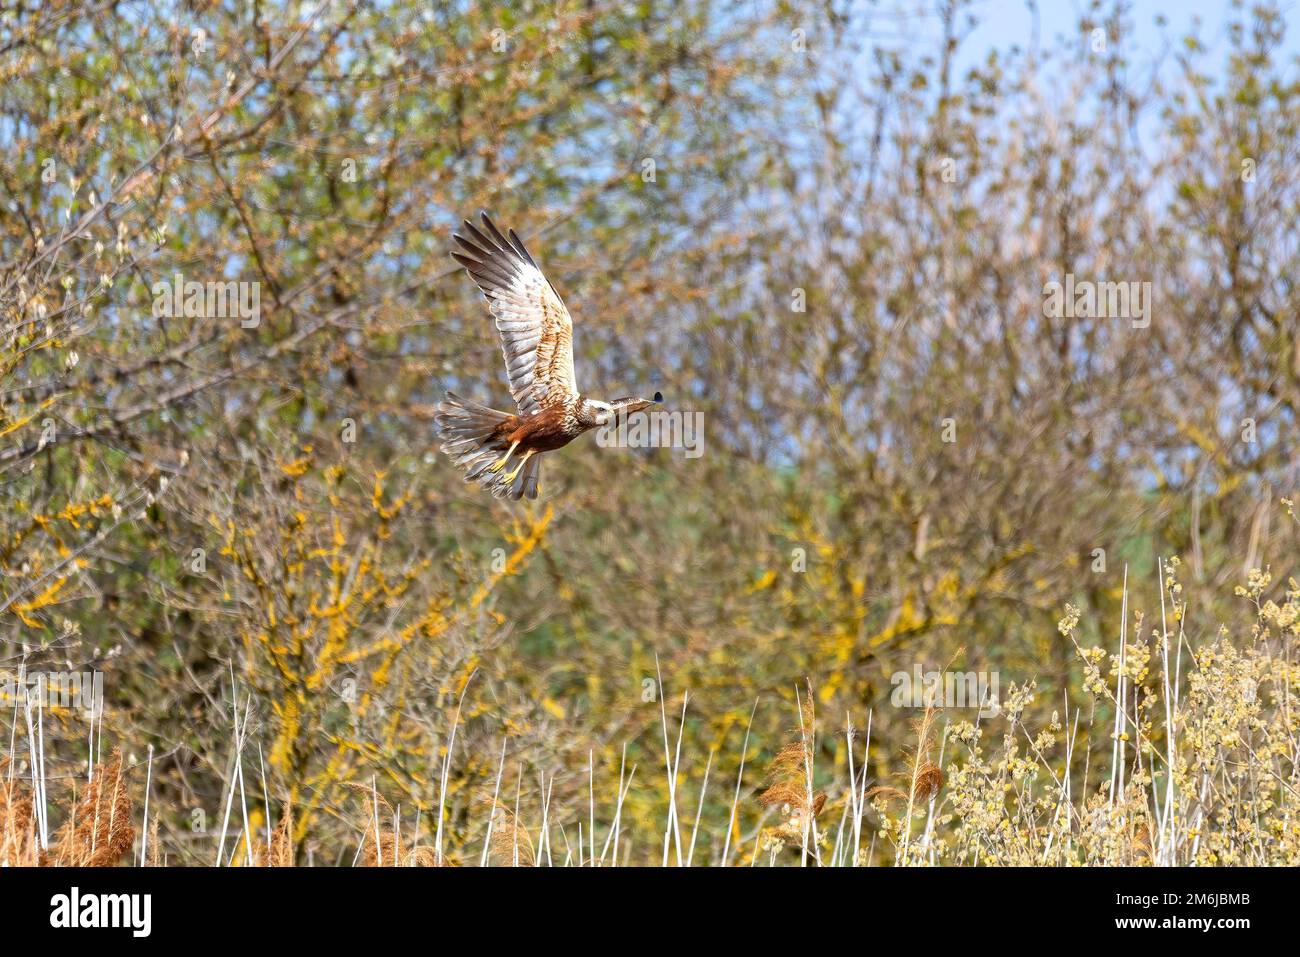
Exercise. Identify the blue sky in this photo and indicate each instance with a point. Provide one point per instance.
(1148, 43)
(1004, 19)
(1006, 22)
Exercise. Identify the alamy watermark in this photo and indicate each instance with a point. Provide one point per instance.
(74, 909)
(70, 690)
(192, 299)
(946, 689)
(1086, 299)
(656, 429)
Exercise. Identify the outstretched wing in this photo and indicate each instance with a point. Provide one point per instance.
(536, 331)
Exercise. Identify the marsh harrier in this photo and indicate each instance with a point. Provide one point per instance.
(537, 339)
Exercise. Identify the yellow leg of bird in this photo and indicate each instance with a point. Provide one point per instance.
(506, 480)
(498, 465)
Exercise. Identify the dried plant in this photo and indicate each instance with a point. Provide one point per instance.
(98, 831)
(19, 841)
(382, 844)
(511, 844)
(280, 851)
(790, 787)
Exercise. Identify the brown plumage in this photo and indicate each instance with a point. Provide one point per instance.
(537, 342)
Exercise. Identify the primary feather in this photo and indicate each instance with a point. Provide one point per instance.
(535, 328)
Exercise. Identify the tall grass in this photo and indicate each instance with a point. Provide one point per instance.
(1166, 749)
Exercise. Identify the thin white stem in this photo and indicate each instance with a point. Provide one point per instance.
(144, 834)
(740, 774)
(496, 790)
(446, 767)
(704, 788)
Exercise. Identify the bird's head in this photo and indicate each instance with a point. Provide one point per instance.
(597, 413)
(629, 404)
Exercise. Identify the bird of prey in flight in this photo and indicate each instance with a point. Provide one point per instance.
(537, 339)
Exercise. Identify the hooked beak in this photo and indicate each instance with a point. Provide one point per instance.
(628, 406)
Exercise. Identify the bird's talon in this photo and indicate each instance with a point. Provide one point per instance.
(506, 480)
(498, 465)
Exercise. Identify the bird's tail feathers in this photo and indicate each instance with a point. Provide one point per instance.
(470, 437)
